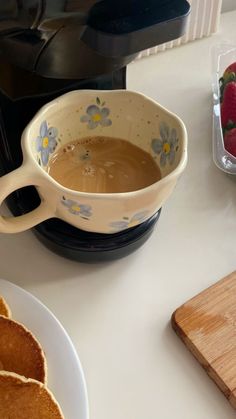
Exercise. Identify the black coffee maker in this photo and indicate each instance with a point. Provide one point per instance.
(50, 47)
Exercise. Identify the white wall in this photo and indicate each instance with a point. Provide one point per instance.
(228, 5)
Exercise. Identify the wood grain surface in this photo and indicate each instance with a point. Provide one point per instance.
(207, 326)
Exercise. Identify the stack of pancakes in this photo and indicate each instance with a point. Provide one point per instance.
(23, 373)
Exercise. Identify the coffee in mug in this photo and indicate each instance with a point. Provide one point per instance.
(113, 184)
(103, 165)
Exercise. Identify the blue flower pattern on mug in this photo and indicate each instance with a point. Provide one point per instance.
(76, 208)
(46, 142)
(167, 145)
(129, 222)
(97, 115)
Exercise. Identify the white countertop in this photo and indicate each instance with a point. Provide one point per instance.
(118, 314)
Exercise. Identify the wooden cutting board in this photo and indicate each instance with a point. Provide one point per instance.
(207, 326)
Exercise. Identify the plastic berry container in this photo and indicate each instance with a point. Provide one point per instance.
(222, 57)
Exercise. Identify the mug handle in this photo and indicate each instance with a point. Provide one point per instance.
(9, 183)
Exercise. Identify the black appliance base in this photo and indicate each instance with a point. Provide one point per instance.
(72, 243)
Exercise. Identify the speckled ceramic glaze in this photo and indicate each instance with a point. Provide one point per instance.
(118, 114)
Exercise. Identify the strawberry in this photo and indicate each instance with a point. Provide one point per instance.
(228, 105)
(229, 75)
(230, 69)
(230, 141)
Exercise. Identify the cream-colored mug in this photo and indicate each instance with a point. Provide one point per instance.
(77, 114)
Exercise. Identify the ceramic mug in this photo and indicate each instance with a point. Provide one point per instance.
(77, 114)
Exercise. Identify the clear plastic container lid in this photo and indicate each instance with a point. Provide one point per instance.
(222, 57)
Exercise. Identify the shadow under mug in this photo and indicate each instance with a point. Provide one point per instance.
(78, 114)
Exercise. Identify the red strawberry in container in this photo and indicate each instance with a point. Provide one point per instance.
(228, 76)
(228, 106)
(230, 72)
(230, 141)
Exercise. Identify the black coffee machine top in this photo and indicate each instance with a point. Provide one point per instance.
(84, 38)
(49, 47)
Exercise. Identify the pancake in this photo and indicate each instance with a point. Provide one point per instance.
(22, 398)
(4, 309)
(20, 352)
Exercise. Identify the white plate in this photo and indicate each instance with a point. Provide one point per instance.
(65, 374)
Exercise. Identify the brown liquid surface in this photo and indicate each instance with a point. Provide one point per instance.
(104, 165)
